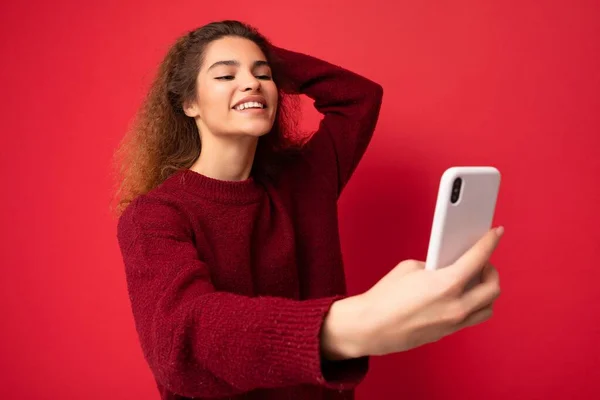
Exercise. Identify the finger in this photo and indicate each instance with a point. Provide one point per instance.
(476, 318)
(490, 273)
(408, 266)
(478, 279)
(472, 261)
(484, 294)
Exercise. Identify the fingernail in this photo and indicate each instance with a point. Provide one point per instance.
(499, 231)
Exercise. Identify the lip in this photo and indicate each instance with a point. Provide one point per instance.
(256, 98)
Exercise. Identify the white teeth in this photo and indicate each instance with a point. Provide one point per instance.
(249, 104)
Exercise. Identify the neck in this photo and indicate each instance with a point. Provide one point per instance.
(226, 158)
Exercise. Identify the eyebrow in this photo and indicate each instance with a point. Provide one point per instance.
(235, 63)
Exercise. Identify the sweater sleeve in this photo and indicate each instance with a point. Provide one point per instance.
(201, 342)
(349, 102)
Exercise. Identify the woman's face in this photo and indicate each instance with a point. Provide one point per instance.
(235, 92)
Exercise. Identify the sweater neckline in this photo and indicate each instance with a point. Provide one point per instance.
(234, 192)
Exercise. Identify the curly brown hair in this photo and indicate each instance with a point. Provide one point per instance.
(163, 140)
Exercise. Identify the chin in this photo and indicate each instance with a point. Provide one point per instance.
(256, 130)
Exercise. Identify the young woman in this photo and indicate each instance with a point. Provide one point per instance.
(229, 230)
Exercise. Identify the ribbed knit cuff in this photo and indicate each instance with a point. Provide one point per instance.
(296, 330)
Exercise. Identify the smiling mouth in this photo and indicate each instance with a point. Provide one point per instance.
(251, 105)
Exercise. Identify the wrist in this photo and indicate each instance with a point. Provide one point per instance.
(343, 335)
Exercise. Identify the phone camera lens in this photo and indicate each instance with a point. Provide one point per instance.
(456, 190)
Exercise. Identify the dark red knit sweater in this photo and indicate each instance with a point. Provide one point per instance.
(229, 282)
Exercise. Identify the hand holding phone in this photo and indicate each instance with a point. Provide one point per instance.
(410, 306)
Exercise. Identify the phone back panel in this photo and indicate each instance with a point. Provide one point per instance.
(457, 227)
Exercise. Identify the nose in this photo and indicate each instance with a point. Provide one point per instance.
(250, 82)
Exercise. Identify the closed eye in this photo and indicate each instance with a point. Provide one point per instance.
(230, 77)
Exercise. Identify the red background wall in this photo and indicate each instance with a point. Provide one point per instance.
(514, 84)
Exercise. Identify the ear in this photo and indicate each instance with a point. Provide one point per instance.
(190, 108)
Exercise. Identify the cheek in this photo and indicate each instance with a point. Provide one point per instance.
(273, 97)
(213, 100)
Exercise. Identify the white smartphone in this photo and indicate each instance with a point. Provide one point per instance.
(464, 212)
